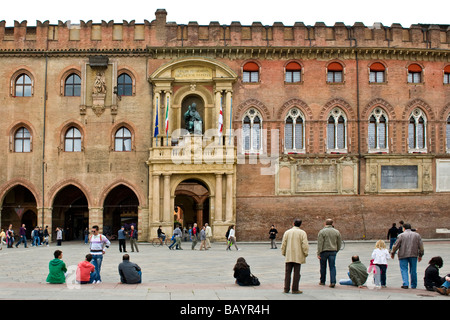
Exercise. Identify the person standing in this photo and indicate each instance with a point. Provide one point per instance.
(380, 256)
(410, 251)
(203, 239)
(208, 232)
(392, 235)
(272, 235)
(58, 236)
(86, 235)
(232, 238)
(133, 239)
(121, 237)
(295, 248)
(46, 236)
(98, 243)
(36, 238)
(195, 236)
(328, 244)
(23, 236)
(129, 272)
(10, 237)
(178, 234)
(400, 229)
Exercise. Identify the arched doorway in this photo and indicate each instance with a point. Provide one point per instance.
(192, 203)
(19, 207)
(120, 209)
(70, 213)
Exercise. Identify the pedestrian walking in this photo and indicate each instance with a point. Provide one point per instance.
(23, 236)
(392, 235)
(86, 235)
(272, 235)
(208, 232)
(410, 251)
(232, 238)
(176, 238)
(195, 236)
(121, 236)
(243, 274)
(10, 237)
(57, 269)
(129, 272)
(203, 239)
(295, 248)
(59, 236)
(35, 237)
(98, 243)
(46, 236)
(380, 256)
(85, 271)
(2, 237)
(357, 273)
(400, 228)
(133, 238)
(328, 245)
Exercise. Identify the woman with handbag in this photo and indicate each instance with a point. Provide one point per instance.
(243, 275)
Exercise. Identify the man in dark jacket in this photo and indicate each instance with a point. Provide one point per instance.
(392, 235)
(129, 272)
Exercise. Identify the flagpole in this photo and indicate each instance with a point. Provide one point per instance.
(156, 132)
(231, 119)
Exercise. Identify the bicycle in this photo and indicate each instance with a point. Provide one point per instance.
(157, 242)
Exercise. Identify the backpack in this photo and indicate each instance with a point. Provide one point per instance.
(227, 234)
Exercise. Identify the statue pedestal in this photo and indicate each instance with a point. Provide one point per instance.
(198, 127)
(98, 103)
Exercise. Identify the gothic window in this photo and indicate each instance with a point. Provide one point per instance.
(124, 85)
(378, 131)
(337, 131)
(72, 86)
(377, 73)
(335, 73)
(23, 86)
(294, 128)
(122, 139)
(252, 131)
(250, 72)
(22, 140)
(72, 140)
(293, 72)
(414, 73)
(417, 131)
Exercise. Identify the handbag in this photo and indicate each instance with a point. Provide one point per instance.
(255, 280)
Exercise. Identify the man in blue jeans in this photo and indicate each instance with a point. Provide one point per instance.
(328, 244)
(97, 245)
(410, 251)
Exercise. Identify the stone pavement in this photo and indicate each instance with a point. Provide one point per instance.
(202, 275)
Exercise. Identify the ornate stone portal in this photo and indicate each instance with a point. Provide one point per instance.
(193, 151)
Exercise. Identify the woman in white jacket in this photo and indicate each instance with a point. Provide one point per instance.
(380, 256)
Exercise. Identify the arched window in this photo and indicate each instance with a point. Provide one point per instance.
(417, 134)
(335, 73)
(293, 72)
(252, 131)
(124, 85)
(294, 129)
(250, 72)
(378, 131)
(23, 86)
(72, 86)
(22, 140)
(122, 139)
(72, 140)
(447, 74)
(337, 131)
(377, 73)
(414, 73)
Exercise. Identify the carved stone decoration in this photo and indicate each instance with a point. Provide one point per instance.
(99, 93)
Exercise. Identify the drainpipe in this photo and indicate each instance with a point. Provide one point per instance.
(43, 136)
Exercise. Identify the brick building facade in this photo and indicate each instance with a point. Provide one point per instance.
(343, 122)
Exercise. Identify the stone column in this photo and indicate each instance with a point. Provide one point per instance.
(96, 218)
(156, 196)
(218, 199)
(166, 199)
(47, 213)
(229, 198)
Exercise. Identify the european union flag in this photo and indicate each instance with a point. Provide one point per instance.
(156, 124)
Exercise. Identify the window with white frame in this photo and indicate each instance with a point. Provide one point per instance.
(250, 72)
(252, 131)
(414, 73)
(378, 131)
(22, 140)
(294, 132)
(293, 72)
(417, 134)
(377, 73)
(23, 86)
(122, 140)
(337, 131)
(447, 74)
(335, 73)
(72, 140)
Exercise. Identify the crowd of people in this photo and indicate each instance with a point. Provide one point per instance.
(404, 241)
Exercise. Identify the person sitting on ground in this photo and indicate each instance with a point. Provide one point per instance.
(432, 280)
(129, 272)
(57, 269)
(85, 270)
(243, 274)
(357, 273)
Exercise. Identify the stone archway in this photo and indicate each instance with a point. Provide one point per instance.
(192, 203)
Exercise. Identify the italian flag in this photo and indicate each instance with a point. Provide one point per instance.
(167, 116)
(220, 119)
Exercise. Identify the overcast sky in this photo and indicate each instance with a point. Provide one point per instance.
(226, 11)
